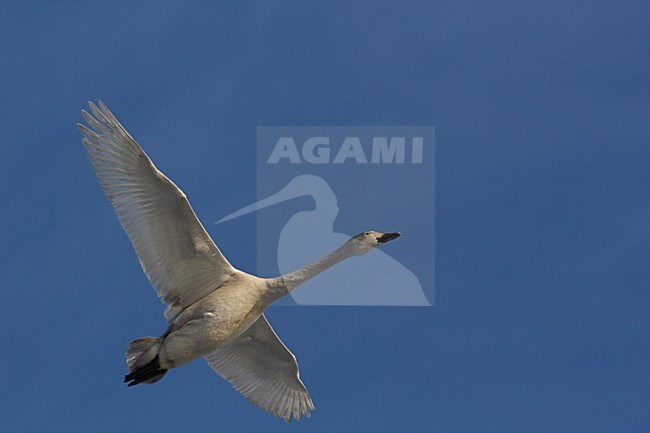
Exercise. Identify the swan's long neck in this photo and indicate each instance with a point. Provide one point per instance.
(284, 284)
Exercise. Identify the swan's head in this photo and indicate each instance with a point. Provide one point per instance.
(366, 241)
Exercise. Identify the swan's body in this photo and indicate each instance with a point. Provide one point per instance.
(217, 319)
(213, 309)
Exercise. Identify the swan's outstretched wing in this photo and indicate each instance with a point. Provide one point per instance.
(259, 366)
(175, 252)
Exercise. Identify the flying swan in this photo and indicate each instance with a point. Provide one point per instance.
(213, 310)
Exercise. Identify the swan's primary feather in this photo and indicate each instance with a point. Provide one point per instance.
(261, 367)
(176, 253)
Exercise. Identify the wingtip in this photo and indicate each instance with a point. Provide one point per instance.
(92, 104)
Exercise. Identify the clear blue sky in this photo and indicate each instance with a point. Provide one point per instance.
(541, 322)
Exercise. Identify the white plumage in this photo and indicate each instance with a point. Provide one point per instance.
(213, 309)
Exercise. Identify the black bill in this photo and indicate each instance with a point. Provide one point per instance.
(388, 237)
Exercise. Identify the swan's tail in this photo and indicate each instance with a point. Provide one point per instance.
(143, 361)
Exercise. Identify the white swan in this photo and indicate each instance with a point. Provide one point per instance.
(213, 309)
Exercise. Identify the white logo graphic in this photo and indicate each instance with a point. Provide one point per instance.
(317, 150)
(373, 279)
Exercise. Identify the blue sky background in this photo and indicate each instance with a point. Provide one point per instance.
(541, 110)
